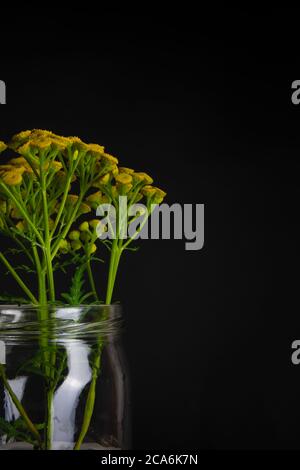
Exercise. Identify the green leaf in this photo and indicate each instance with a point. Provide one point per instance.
(76, 295)
(12, 299)
(136, 248)
(72, 261)
(94, 258)
(16, 430)
(24, 267)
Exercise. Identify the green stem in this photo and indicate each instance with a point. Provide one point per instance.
(91, 279)
(114, 275)
(18, 279)
(49, 419)
(67, 227)
(23, 247)
(48, 371)
(131, 239)
(49, 357)
(116, 252)
(52, 355)
(22, 211)
(62, 204)
(40, 276)
(19, 405)
(90, 401)
(50, 275)
(60, 370)
(114, 249)
(47, 247)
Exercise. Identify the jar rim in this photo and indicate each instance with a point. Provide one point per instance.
(60, 305)
(61, 323)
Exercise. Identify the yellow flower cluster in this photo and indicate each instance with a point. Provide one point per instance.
(31, 144)
(42, 156)
(37, 140)
(125, 181)
(83, 238)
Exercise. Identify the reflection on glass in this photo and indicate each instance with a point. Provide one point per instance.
(63, 383)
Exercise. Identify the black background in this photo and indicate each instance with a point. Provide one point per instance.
(201, 101)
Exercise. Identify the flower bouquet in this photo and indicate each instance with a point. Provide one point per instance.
(61, 367)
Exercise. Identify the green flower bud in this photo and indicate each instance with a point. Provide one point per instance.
(64, 246)
(85, 236)
(76, 245)
(84, 227)
(91, 249)
(94, 223)
(74, 235)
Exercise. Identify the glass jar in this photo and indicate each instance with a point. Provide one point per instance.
(63, 378)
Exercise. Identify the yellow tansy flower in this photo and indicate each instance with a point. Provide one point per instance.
(56, 166)
(5, 168)
(148, 190)
(96, 150)
(123, 178)
(84, 209)
(12, 178)
(159, 195)
(110, 158)
(21, 161)
(94, 200)
(124, 169)
(95, 197)
(140, 177)
(72, 199)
